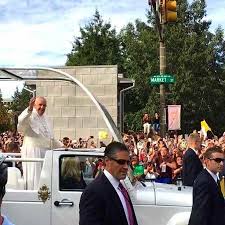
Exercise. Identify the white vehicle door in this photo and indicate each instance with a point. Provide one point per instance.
(31, 207)
(65, 191)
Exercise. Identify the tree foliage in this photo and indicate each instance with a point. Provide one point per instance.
(4, 116)
(195, 56)
(20, 101)
(197, 59)
(98, 45)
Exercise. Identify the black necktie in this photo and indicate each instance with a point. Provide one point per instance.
(218, 183)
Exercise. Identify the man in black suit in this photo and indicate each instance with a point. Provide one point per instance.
(192, 165)
(105, 201)
(208, 201)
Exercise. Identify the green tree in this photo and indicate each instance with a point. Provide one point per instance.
(98, 45)
(4, 116)
(194, 55)
(140, 53)
(20, 101)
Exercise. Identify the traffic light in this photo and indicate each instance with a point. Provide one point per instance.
(169, 11)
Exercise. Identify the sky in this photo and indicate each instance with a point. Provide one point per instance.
(41, 32)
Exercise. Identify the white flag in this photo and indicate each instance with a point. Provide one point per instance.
(174, 113)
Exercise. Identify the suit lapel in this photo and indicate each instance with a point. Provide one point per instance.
(114, 199)
(213, 183)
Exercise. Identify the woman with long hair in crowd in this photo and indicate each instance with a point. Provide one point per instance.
(71, 174)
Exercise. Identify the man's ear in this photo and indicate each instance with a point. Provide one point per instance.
(205, 160)
(106, 159)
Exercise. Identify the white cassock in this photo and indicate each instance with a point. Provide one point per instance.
(38, 137)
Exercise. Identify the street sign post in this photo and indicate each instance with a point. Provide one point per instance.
(164, 78)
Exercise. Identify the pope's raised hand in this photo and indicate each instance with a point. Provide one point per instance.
(31, 104)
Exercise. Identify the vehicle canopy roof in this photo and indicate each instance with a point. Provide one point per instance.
(32, 74)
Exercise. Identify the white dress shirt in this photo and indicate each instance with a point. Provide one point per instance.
(6, 221)
(195, 151)
(214, 176)
(115, 184)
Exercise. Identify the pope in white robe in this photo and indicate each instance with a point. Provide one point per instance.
(38, 137)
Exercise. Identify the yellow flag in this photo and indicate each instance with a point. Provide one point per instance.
(205, 126)
(222, 185)
(102, 135)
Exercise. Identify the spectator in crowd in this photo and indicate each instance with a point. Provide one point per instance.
(66, 142)
(74, 144)
(165, 166)
(10, 142)
(132, 148)
(91, 142)
(152, 152)
(182, 145)
(146, 120)
(38, 137)
(208, 202)
(105, 200)
(177, 173)
(142, 154)
(141, 144)
(89, 167)
(150, 172)
(174, 151)
(71, 175)
(3, 180)
(99, 168)
(135, 165)
(13, 147)
(203, 148)
(82, 143)
(192, 165)
(161, 143)
(156, 122)
(102, 144)
(145, 160)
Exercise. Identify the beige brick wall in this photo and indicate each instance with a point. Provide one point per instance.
(72, 112)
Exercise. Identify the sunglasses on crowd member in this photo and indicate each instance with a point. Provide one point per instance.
(218, 160)
(121, 161)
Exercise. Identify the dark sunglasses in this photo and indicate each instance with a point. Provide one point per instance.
(121, 161)
(218, 160)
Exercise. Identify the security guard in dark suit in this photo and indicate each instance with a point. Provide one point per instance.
(192, 165)
(208, 201)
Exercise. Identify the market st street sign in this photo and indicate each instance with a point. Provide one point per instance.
(164, 78)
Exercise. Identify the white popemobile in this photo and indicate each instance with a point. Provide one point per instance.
(53, 204)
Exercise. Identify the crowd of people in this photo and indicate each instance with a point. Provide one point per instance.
(11, 142)
(162, 158)
(152, 157)
(166, 160)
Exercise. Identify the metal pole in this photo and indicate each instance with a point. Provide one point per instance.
(162, 58)
(157, 6)
(122, 92)
(31, 91)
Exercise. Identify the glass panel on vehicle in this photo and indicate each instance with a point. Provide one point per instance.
(76, 172)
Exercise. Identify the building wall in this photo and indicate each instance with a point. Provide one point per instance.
(70, 109)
